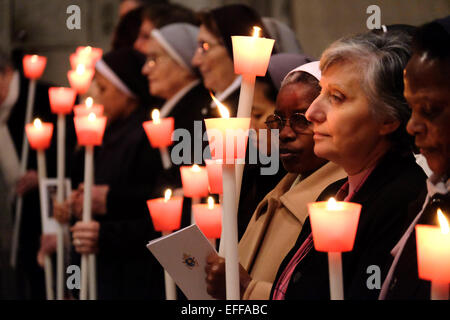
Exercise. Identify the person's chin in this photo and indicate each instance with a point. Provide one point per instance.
(439, 166)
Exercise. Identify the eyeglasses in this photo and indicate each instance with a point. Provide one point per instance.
(297, 122)
(153, 60)
(205, 47)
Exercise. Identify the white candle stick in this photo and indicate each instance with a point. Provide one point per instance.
(87, 212)
(165, 158)
(439, 291)
(222, 236)
(23, 168)
(171, 289)
(42, 174)
(60, 199)
(335, 274)
(230, 231)
(194, 201)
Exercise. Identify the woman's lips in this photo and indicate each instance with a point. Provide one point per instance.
(286, 153)
(318, 135)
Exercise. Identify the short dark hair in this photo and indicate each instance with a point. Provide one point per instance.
(162, 14)
(433, 39)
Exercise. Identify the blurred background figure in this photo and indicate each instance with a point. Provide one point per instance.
(285, 39)
(126, 6)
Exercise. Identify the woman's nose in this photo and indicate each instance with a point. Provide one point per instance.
(317, 110)
(415, 126)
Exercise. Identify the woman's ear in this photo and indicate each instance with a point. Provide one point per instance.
(389, 126)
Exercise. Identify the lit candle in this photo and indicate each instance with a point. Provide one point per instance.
(80, 79)
(77, 59)
(90, 129)
(61, 99)
(82, 110)
(159, 132)
(334, 226)
(39, 134)
(33, 66)
(166, 212)
(433, 256)
(208, 217)
(228, 140)
(89, 53)
(195, 181)
(251, 56)
(214, 169)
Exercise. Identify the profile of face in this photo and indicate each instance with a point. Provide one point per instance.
(262, 108)
(142, 43)
(427, 93)
(166, 76)
(296, 137)
(116, 103)
(213, 61)
(345, 128)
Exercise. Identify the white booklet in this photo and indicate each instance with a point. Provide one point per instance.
(183, 255)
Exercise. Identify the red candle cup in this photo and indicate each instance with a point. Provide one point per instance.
(433, 254)
(80, 79)
(39, 134)
(334, 225)
(159, 131)
(62, 99)
(166, 214)
(208, 217)
(83, 110)
(214, 169)
(90, 129)
(90, 53)
(251, 55)
(227, 138)
(76, 60)
(195, 181)
(33, 66)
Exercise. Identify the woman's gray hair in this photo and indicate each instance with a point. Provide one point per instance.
(380, 59)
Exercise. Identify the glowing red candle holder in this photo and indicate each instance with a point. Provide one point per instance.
(195, 181)
(251, 55)
(227, 136)
(159, 131)
(433, 253)
(62, 99)
(166, 212)
(208, 217)
(334, 225)
(39, 134)
(214, 169)
(90, 129)
(80, 79)
(34, 66)
(89, 53)
(82, 110)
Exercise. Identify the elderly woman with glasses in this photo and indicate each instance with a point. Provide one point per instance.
(279, 217)
(214, 56)
(359, 122)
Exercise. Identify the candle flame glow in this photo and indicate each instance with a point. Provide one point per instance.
(256, 31)
(155, 116)
(37, 123)
(92, 117)
(210, 203)
(445, 229)
(87, 50)
(34, 58)
(89, 102)
(167, 195)
(222, 109)
(195, 168)
(80, 69)
(331, 204)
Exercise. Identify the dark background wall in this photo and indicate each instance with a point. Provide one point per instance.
(39, 26)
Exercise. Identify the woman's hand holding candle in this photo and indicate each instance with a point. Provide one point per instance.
(85, 237)
(28, 182)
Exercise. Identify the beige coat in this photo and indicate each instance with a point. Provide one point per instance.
(276, 224)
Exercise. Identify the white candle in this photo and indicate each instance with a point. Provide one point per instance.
(171, 289)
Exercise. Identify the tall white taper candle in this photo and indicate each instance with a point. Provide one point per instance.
(335, 274)
(60, 199)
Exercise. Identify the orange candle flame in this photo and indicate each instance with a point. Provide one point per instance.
(80, 69)
(195, 168)
(89, 102)
(92, 117)
(167, 195)
(37, 123)
(332, 204)
(34, 58)
(256, 31)
(222, 109)
(445, 229)
(156, 116)
(210, 203)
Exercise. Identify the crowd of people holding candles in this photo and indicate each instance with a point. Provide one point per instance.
(357, 210)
